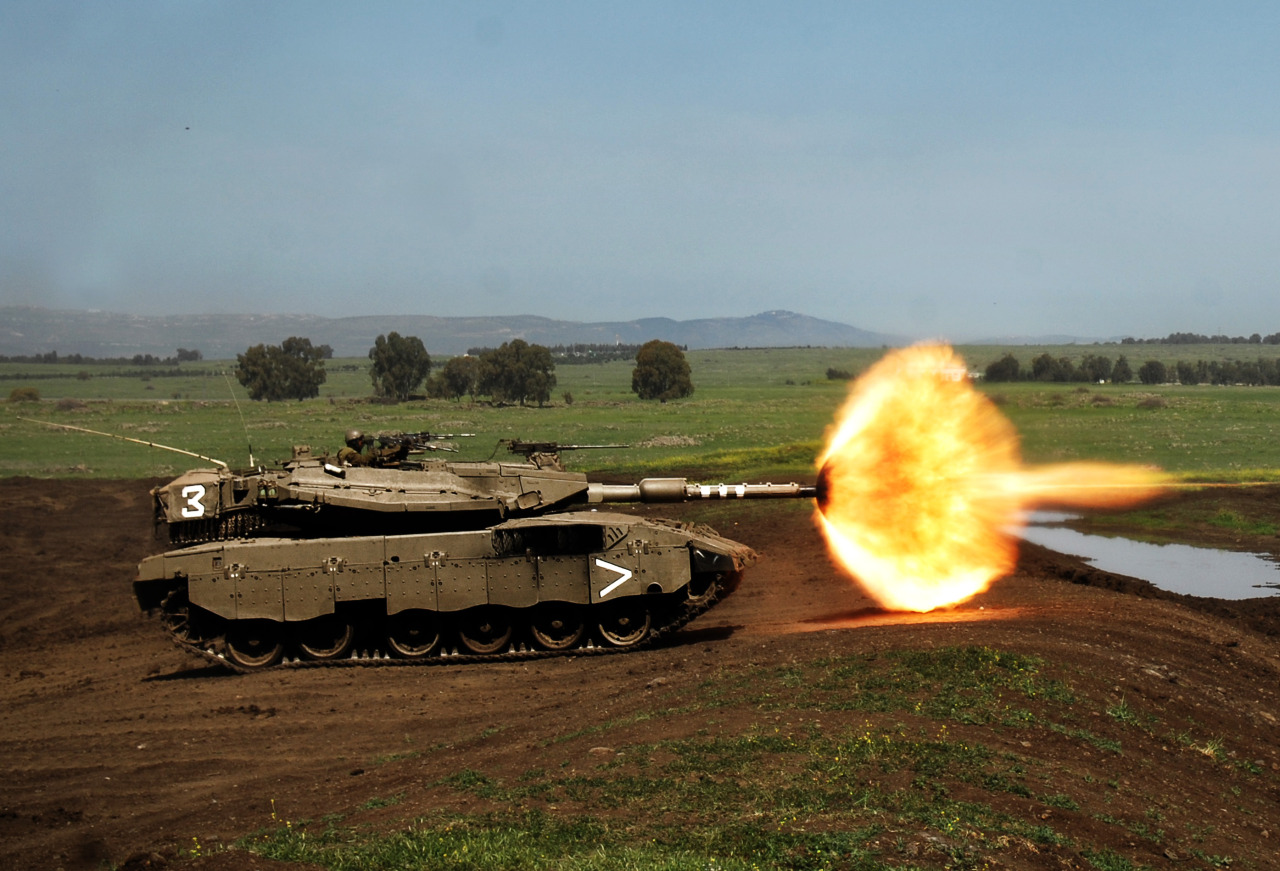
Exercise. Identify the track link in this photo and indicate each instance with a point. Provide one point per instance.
(213, 650)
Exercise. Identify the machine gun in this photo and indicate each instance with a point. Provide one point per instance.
(527, 449)
(546, 455)
(420, 442)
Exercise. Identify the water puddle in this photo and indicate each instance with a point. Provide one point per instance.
(1178, 568)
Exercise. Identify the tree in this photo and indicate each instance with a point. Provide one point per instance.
(1249, 373)
(1153, 372)
(661, 372)
(517, 372)
(1046, 368)
(400, 363)
(1095, 368)
(291, 370)
(457, 378)
(1269, 369)
(1121, 373)
(1007, 368)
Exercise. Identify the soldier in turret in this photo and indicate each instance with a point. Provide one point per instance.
(354, 453)
(364, 450)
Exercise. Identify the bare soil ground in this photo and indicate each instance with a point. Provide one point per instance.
(119, 750)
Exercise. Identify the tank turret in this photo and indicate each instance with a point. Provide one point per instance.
(429, 560)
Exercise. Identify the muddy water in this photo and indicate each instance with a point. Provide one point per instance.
(1178, 568)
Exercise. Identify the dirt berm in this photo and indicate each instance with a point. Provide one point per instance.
(121, 751)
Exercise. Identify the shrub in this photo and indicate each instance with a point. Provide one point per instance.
(400, 364)
(24, 394)
(1007, 368)
(661, 372)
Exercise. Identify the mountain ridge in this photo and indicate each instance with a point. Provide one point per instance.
(26, 330)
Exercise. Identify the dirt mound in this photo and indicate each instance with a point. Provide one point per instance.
(121, 751)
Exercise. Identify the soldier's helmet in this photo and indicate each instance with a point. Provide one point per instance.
(355, 438)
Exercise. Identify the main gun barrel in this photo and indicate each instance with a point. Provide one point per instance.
(681, 490)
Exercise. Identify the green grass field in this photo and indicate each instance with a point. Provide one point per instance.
(923, 766)
(756, 413)
(935, 722)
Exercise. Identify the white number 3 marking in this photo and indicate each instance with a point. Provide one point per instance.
(193, 493)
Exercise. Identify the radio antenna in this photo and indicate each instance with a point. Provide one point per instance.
(112, 435)
(232, 391)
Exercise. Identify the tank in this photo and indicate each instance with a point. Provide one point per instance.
(426, 560)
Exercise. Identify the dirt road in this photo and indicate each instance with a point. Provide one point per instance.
(120, 750)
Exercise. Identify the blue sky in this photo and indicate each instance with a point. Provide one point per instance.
(960, 170)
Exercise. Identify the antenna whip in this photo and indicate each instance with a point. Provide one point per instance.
(232, 391)
(112, 435)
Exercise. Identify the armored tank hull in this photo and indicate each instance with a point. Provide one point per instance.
(434, 563)
(537, 586)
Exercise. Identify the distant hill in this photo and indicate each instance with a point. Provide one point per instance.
(35, 330)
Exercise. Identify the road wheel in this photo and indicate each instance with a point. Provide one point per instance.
(327, 637)
(254, 643)
(557, 626)
(624, 624)
(484, 630)
(414, 633)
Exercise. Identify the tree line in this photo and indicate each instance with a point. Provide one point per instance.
(1220, 372)
(183, 355)
(1046, 367)
(1095, 368)
(584, 352)
(515, 372)
(1200, 339)
(587, 352)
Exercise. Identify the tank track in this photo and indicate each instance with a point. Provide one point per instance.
(212, 650)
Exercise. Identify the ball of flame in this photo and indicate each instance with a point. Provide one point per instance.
(922, 489)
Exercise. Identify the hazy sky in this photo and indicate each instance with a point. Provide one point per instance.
(928, 169)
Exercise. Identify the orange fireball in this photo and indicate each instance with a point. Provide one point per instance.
(921, 486)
